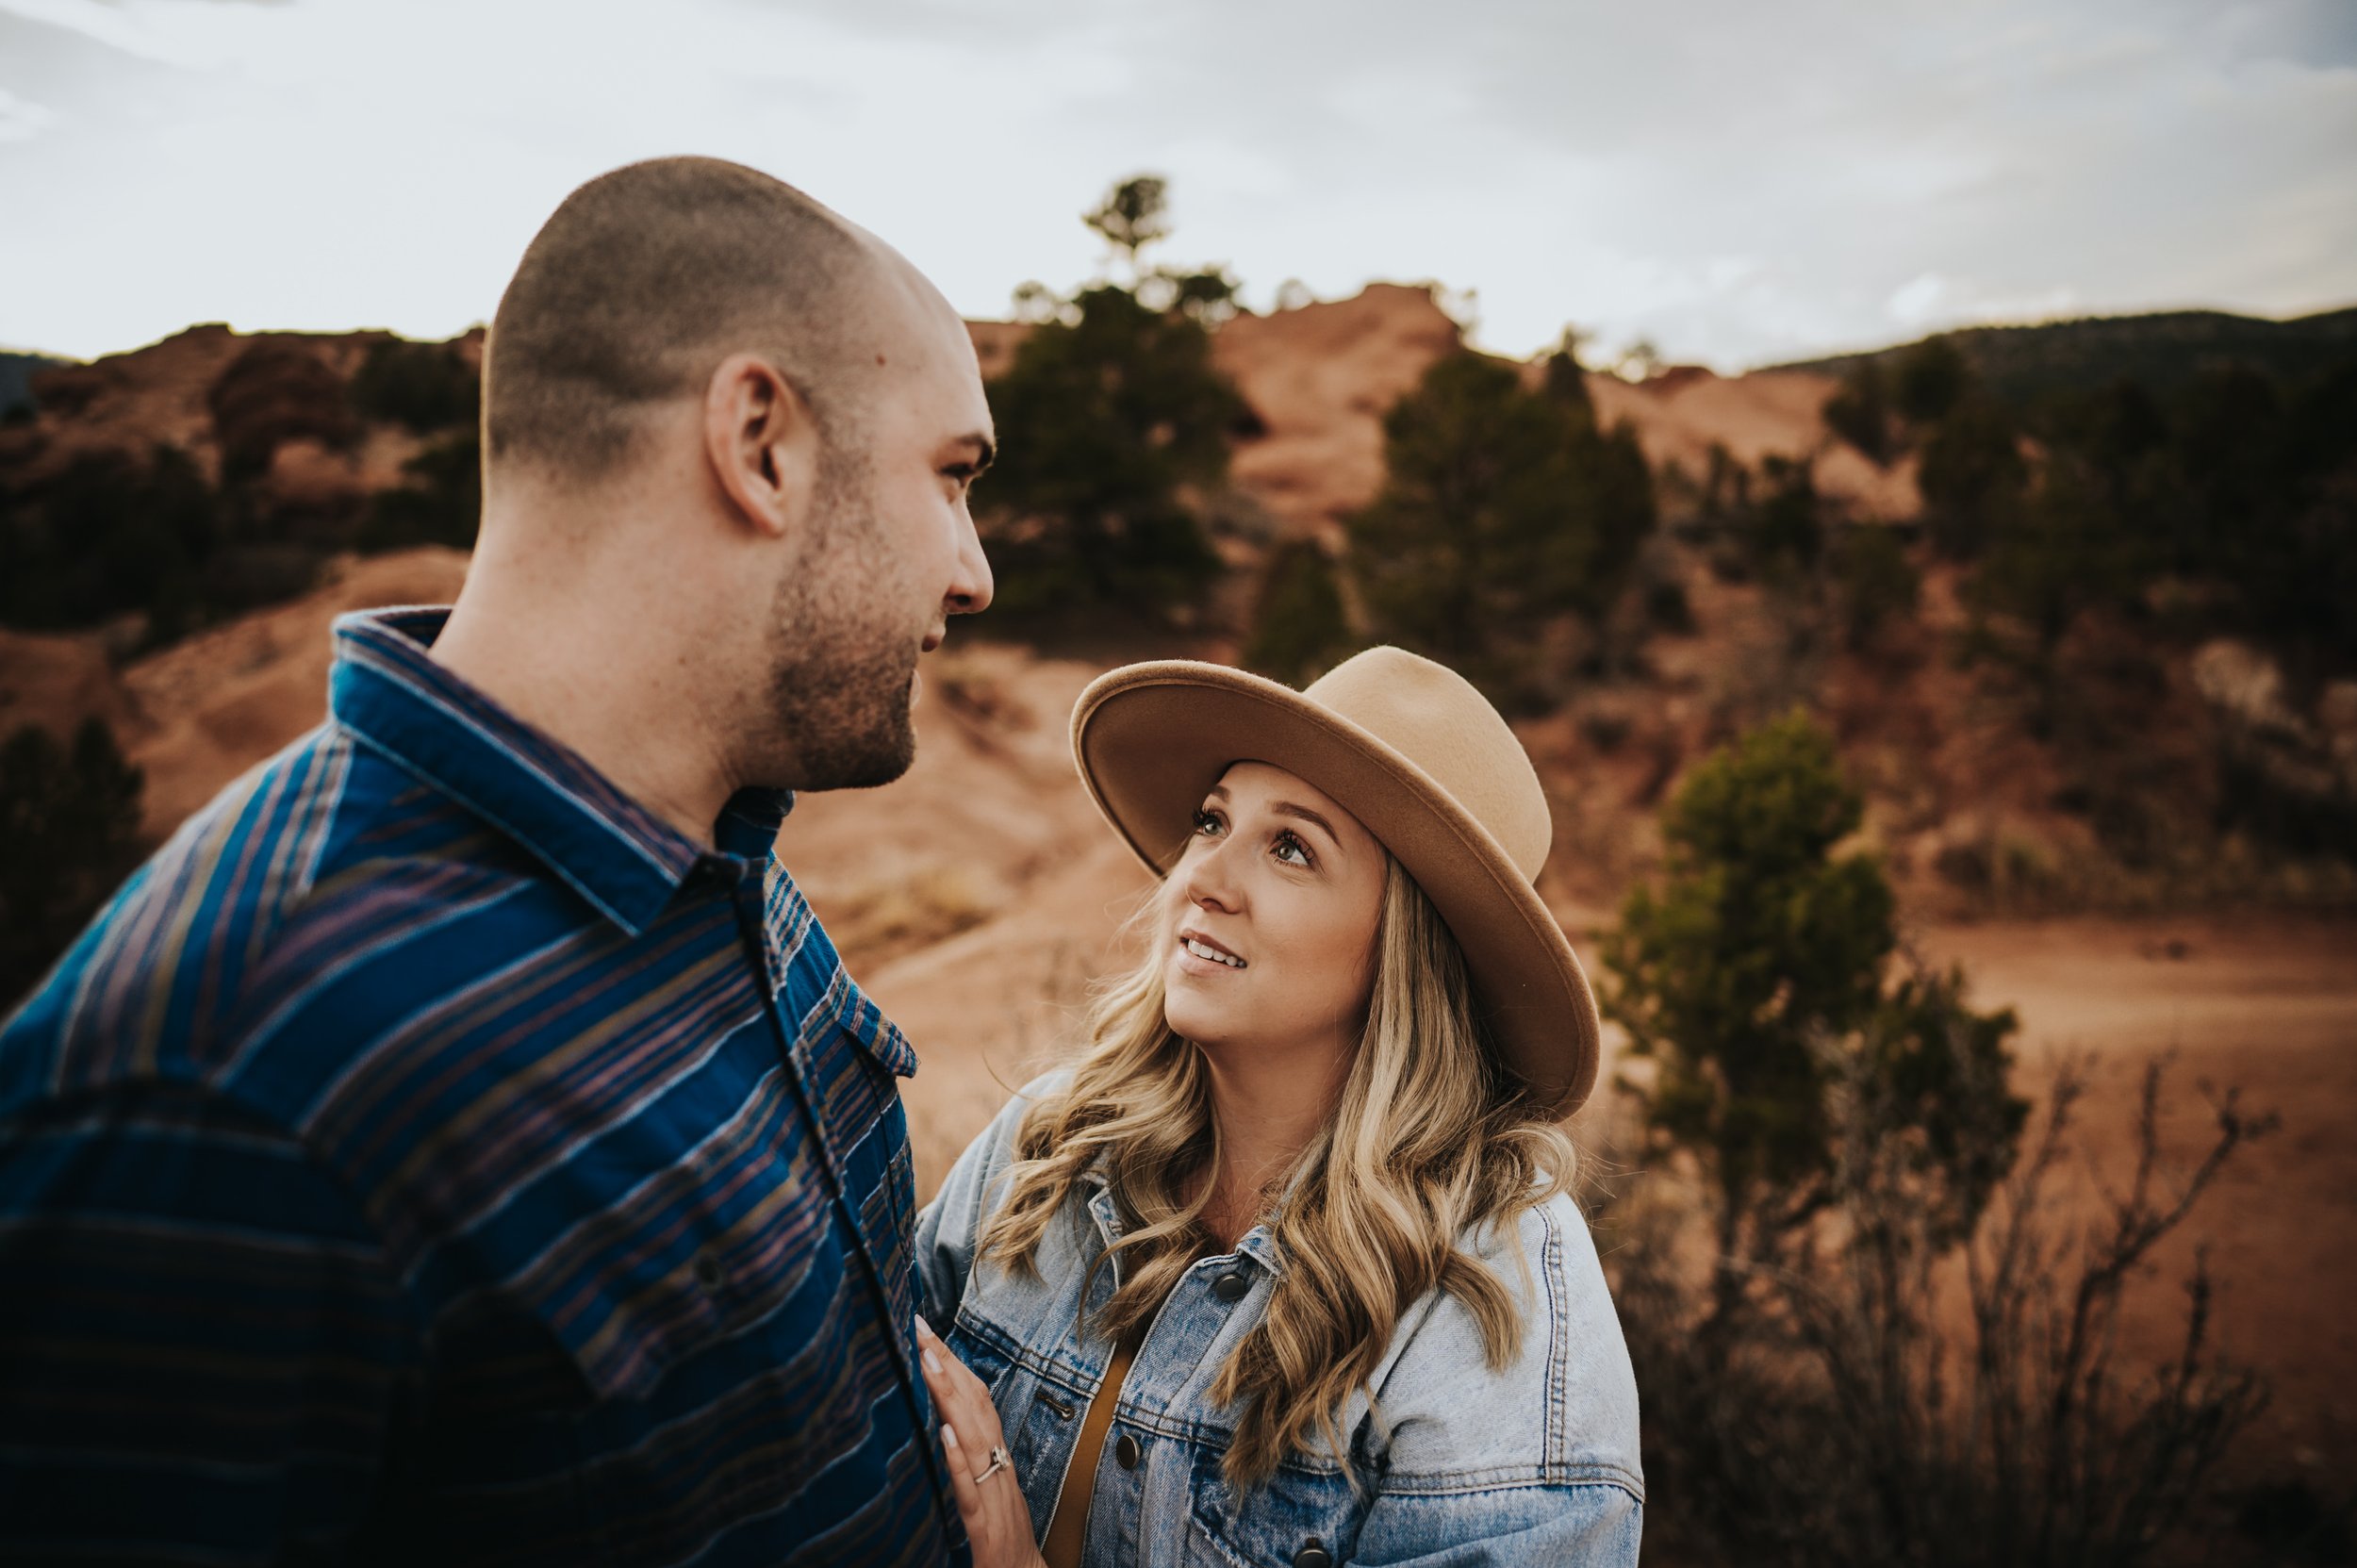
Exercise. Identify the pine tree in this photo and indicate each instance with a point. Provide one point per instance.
(1505, 509)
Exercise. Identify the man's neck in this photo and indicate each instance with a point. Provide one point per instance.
(605, 682)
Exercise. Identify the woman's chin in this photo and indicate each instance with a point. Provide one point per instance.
(1202, 1026)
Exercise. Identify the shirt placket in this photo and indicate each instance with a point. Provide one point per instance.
(752, 927)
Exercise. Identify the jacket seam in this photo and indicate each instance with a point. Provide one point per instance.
(1556, 1440)
(1514, 1479)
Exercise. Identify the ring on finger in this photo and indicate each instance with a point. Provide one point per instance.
(998, 1462)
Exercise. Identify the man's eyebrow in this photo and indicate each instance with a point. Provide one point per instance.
(980, 446)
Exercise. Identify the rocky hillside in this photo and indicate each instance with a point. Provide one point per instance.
(1975, 811)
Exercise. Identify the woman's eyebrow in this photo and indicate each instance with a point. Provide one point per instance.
(1286, 808)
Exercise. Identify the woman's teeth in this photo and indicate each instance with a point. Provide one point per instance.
(1202, 950)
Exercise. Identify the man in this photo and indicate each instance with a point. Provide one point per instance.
(460, 1143)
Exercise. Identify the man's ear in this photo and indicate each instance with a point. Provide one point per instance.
(762, 444)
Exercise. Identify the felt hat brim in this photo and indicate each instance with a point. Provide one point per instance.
(1151, 739)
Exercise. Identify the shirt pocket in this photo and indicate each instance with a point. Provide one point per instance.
(1299, 1518)
(699, 1248)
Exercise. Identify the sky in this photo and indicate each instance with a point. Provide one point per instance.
(1737, 183)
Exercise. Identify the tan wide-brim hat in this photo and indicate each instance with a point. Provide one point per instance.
(1417, 755)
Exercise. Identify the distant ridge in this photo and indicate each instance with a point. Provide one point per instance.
(2025, 365)
(16, 375)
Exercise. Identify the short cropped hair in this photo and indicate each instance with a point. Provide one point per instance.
(641, 282)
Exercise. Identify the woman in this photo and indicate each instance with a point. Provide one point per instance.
(1284, 1270)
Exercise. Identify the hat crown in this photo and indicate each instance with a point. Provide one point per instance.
(1437, 720)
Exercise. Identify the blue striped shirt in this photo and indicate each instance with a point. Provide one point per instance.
(431, 1156)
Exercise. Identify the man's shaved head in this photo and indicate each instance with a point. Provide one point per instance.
(645, 279)
(729, 442)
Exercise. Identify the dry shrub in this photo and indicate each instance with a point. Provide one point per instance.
(1842, 1419)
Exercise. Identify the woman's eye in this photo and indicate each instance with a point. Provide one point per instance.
(1206, 823)
(1288, 845)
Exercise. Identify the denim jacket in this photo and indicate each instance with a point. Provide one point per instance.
(1536, 1464)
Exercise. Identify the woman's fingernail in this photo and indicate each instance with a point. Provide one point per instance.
(950, 1434)
(933, 1363)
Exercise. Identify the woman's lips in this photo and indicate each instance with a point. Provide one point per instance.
(1193, 963)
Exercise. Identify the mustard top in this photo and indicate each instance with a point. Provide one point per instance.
(1068, 1528)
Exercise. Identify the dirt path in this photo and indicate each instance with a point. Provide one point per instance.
(2267, 1004)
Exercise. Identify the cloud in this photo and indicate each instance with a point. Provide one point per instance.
(1929, 301)
(21, 119)
(1738, 183)
(133, 30)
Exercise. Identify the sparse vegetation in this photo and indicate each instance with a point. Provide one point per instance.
(1972, 477)
(1134, 214)
(112, 534)
(1667, 609)
(1859, 412)
(1760, 946)
(1788, 534)
(1124, 424)
(16, 384)
(442, 503)
(1506, 513)
(1848, 1122)
(68, 832)
(1299, 629)
(1874, 582)
(1930, 380)
(272, 394)
(424, 387)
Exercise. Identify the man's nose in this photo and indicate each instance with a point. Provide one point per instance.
(971, 589)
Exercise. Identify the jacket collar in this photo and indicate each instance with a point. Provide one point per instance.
(1259, 1244)
(390, 693)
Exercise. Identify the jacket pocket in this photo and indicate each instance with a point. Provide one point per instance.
(1299, 1518)
(1039, 1417)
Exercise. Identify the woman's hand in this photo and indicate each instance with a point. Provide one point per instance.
(997, 1521)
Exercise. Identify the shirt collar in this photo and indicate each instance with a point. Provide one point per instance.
(627, 862)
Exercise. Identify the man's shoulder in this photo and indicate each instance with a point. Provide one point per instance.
(311, 867)
(153, 974)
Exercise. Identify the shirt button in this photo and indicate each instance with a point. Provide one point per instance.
(1231, 1287)
(1313, 1555)
(710, 1276)
(1126, 1453)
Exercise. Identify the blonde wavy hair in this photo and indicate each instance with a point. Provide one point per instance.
(1430, 1137)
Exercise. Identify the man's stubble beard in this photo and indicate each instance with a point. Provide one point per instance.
(841, 679)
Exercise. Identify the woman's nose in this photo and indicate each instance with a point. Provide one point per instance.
(1208, 883)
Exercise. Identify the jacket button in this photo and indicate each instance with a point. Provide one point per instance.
(1312, 1556)
(1231, 1287)
(1126, 1453)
